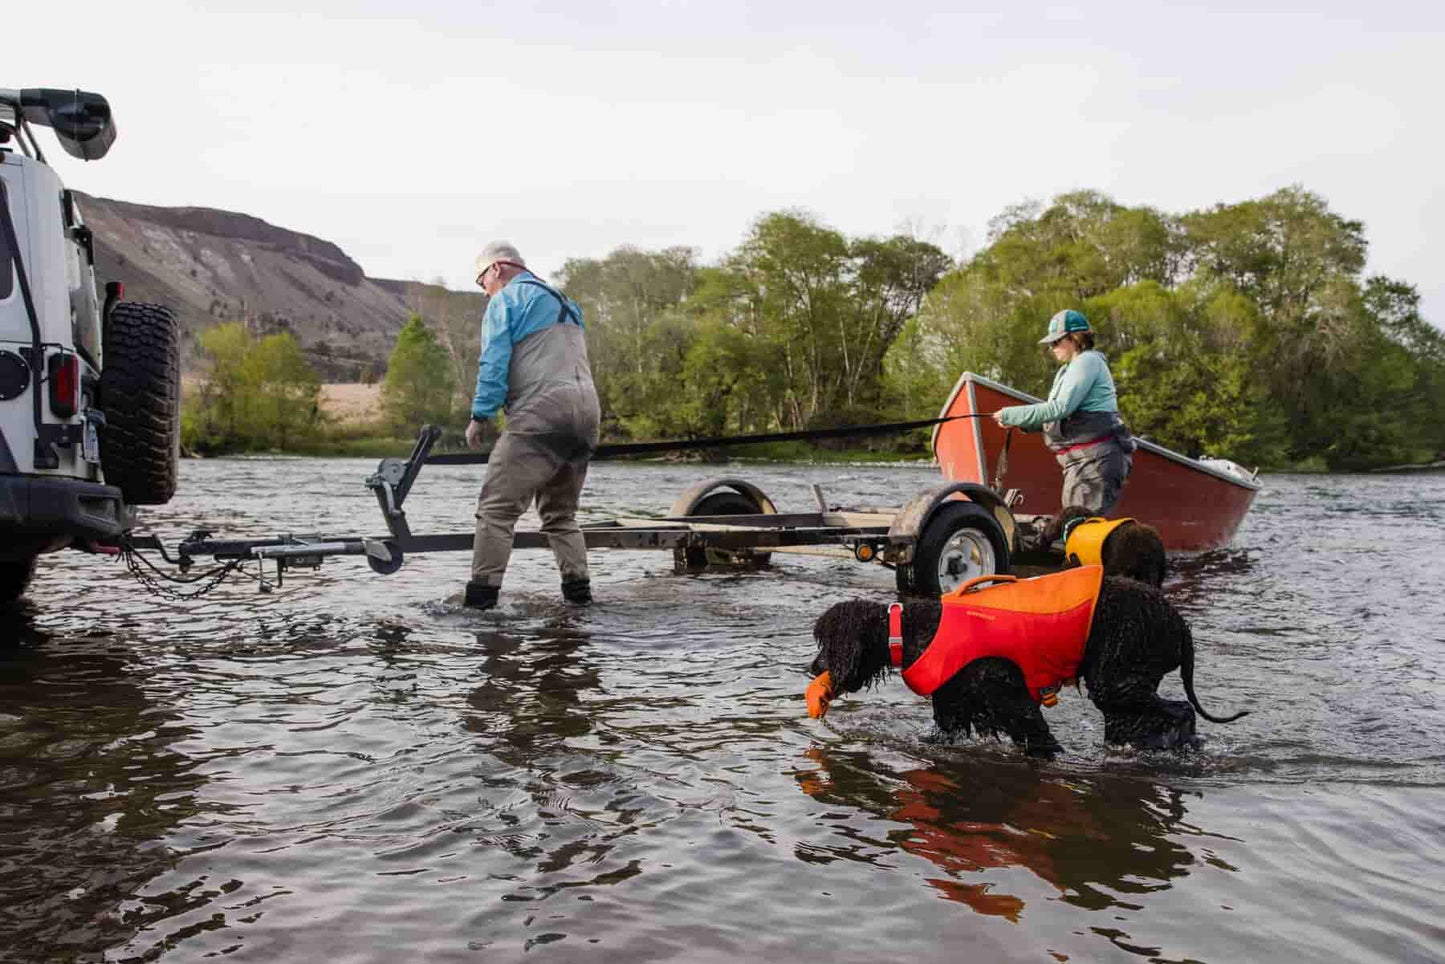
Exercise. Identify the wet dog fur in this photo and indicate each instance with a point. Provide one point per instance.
(1133, 549)
(1136, 639)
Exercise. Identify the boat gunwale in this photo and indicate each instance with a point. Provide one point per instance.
(1254, 485)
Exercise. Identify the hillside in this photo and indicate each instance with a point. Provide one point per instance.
(214, 266)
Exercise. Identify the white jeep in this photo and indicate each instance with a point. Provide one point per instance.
(89, 389)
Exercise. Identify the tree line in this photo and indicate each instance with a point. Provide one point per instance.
(1245, 330)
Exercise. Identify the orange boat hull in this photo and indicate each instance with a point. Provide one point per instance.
(1195, 505)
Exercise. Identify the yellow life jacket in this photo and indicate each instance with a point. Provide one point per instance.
(1086, 540)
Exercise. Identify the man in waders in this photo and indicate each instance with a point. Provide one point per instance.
(534, 366)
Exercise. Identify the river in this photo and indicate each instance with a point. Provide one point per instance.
(355, 768)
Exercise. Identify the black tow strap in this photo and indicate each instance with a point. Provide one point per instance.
(643, 448)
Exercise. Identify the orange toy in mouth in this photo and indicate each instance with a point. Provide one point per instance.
(819, 695)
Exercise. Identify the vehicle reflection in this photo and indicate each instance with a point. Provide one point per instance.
(1098, 841)
(90, 790)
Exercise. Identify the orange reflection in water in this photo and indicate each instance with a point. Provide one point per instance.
(1026, 817)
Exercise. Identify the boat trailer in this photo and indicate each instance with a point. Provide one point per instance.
(940, 538)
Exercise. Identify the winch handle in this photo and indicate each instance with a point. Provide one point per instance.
(979, 580)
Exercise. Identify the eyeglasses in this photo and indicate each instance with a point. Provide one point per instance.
(482, 277)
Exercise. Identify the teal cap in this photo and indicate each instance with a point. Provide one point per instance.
(1062, 324)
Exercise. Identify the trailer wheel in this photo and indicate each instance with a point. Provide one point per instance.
(15, 575)
(388, 566)
(961, 540)
(140, 392)
(725, 502)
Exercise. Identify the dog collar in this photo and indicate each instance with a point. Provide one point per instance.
(1069, 527)
(895, 634)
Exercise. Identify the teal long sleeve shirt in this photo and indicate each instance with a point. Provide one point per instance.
(1082, 385)
(523, 307)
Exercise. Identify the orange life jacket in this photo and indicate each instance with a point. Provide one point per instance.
(1040, 624)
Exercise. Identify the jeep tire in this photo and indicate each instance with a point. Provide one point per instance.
(140, 393)
(14, 577)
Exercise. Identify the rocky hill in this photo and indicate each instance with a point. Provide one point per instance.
(215, 266)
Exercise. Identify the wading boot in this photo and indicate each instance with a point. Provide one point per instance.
(481, 596)
(577, 591)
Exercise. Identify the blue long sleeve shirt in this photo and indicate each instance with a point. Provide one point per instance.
(523, 307)
(1082, 385)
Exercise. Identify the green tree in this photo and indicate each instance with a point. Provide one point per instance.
(255, 394)
(455, 318)
(624, 298)
(420, 381)
(1244, 330)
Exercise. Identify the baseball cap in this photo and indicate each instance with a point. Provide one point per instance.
(1062, 324)
(498, 251)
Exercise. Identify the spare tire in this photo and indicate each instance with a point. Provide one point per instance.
(140, 393)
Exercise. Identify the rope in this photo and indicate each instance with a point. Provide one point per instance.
(641, 448)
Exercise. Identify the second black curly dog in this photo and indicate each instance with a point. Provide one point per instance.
(1134, 549)
(1136, 638)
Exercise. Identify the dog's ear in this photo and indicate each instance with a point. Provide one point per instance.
(852, 643)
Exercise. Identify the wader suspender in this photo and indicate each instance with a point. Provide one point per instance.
(566, 313)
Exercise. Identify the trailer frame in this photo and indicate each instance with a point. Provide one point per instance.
(699, 541)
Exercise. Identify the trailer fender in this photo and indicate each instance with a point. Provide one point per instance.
(712, 497)
(693, 496)
(913, 518)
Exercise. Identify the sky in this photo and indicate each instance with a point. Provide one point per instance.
(410, 134)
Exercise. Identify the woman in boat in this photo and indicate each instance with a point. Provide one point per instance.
(1080, 421)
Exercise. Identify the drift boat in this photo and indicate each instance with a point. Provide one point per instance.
(1196, 504)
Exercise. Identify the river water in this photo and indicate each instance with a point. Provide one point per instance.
(355, 768)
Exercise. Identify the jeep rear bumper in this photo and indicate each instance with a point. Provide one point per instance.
(40, 514)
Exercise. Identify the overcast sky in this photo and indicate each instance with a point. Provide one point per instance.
(412, 133)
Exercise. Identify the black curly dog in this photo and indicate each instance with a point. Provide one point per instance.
(1133, 549)
(1136, 638)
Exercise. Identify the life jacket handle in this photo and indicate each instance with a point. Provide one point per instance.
(979, 580)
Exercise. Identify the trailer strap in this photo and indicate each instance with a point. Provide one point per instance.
(623, 449)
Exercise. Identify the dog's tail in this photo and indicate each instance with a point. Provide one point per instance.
(1186, 673)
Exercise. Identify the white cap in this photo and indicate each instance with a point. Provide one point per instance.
(498, 251)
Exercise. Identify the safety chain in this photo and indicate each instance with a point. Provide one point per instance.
(146, 572)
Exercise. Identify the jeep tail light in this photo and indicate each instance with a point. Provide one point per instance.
(63, 372)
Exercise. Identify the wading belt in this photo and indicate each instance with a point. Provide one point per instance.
(1083, 445)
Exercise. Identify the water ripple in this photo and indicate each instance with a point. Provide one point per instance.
(358, 768)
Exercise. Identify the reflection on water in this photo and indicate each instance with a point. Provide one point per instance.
(1095, 842)
(357, 769)
(91, 791)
